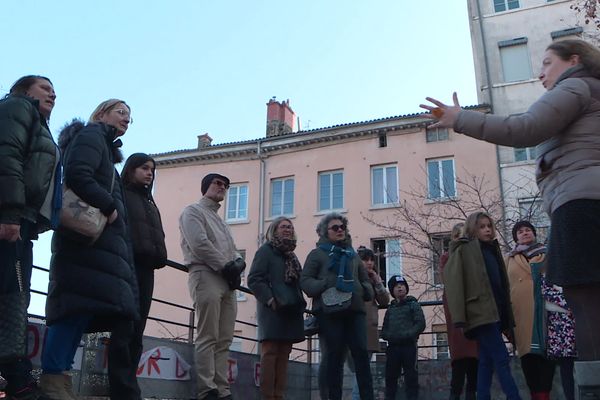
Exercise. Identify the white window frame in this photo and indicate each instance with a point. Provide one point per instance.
(530, 153)
(440, 338)
(387, 199)
(507, 60)
(438, 240)
(283, 194)
(330, 189)
(238, 210)
(393, 258)
(433, 135)
(506, 5)
(442, 188)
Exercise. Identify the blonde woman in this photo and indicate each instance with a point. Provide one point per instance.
(93, 287)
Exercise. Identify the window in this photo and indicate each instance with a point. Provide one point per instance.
(436, 135)
(524, 154)
(384, 185)
(439, 244)
(569, 33)
(331, 190)
(441, 182)
(388, 257)
(440, 342)
(282, 197)
(516, 64)
(236, 343)
(503, 5)
(382, 140)
(237, 203)
(532, 210)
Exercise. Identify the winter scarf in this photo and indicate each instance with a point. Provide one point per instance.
(292, 265)
(339, 261)
(528, 251)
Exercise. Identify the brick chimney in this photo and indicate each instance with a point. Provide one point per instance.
(281, 119)
(204, 141)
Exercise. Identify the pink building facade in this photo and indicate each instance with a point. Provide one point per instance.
(363, 170)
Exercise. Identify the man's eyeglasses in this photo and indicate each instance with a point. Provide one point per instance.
(220, 184)
(338, 227)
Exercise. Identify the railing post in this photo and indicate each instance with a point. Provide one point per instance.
(191, 327)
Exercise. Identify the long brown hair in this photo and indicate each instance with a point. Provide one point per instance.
(589, 56)
(471, 227)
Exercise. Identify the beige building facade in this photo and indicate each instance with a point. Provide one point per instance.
(364, 170)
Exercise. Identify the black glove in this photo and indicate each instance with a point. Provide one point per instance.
(232, 272)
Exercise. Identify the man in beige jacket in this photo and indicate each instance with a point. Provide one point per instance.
(214, 267)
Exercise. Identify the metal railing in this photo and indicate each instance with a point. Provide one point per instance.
(190, 325)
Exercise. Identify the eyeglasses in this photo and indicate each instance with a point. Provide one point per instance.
(291, 227)
(220, 184)
(338, 227)
(124, 113)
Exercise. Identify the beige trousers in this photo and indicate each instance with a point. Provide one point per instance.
(216, 308)
(273, 369)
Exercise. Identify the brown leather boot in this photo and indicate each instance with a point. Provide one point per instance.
(69, 386)
(53, 386)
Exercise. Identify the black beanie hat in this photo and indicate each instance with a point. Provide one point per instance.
(520, 225)
(395, 280)
(207, 180)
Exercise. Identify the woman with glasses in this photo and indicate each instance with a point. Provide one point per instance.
(275, 280)
(333, 274)
(92, 287)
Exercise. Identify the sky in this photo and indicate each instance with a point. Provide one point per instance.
(189, 67)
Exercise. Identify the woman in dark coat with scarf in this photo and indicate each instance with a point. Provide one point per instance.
(92, 287)
(148, 241)
(275, 280)
(30, 196)
(333, 267)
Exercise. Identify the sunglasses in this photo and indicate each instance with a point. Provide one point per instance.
(338, 227)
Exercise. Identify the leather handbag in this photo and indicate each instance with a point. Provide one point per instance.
(13, 319)
(334, 300)
(78, 216)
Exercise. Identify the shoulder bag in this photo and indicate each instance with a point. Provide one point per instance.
(78, 216)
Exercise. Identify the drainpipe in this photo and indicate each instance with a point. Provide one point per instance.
(261, 194)
(491, 97)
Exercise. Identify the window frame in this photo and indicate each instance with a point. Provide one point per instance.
(438, 330)
(530, 153)
(444, 239)
(505, 5)
(503, 49)
(283, 180)
(386, 200)
(331, 187)
(441, 188)
(237, 218)
(433, 135)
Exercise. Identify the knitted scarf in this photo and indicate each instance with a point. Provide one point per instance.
(292, 265)
(339, 262)
(528, 251)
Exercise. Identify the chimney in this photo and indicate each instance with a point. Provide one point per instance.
(204, 141)
(281, 119)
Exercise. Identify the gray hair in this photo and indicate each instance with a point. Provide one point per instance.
(273, 228)
(324, 224)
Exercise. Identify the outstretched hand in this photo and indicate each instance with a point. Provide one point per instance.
(446, 115)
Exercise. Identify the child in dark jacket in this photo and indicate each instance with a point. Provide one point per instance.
(403, 323)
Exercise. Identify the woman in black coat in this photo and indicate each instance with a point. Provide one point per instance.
(148, 241)
(92, 287)
(29, 204)
(275, 280)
